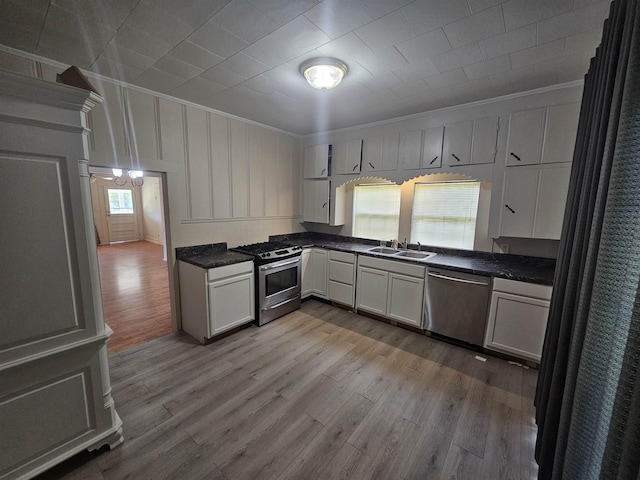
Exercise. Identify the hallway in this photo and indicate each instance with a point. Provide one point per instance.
(135, 293)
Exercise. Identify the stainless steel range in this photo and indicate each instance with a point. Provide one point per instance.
(278, 273)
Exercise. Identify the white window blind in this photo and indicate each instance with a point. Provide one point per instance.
(444, 214)
(376, 211)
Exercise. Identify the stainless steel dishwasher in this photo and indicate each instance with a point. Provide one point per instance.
(456, 304)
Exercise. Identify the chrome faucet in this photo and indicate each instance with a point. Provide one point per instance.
(419, 246)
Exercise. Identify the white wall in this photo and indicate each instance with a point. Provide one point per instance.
(227, 179)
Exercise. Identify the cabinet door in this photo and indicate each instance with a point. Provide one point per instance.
(347, 156)
(316, 201)
(517, 325)
(410, 154)
(319, 272)
(306, 273)
(316, 161)
(485, 140)
(231, 302)
(432, 147)
(457, 143)
(560, 133)
(405, 299)
(371, 288)
(552, 197)
(518, 202)
(381, 153)
(525, 137)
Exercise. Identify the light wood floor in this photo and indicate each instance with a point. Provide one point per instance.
(135, 293)
(320, 393)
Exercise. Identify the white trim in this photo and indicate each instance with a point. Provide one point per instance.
(89, 73)
(34, 122)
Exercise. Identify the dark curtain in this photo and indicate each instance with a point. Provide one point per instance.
(588, 395)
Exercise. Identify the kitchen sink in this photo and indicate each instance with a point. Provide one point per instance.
(385, 250)
(410, 254)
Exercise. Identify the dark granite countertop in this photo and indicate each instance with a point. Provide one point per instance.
(512, 267)
(211, 255)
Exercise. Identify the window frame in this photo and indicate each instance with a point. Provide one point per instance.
(386, 234)
(467, 239)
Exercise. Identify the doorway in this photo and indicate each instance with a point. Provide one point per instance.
(130, 227)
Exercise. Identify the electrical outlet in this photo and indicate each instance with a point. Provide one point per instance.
(504, 247)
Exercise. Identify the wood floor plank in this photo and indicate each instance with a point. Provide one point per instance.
(135, 293)
(460, 465)
(473, 426)
(349, 464)
(432, 447)
(326, 445)
(320, 393)
(267, 456)
(502, 458)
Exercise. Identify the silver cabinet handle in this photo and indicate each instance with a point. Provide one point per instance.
(454, 279)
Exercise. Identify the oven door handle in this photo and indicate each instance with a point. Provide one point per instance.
(284, 263)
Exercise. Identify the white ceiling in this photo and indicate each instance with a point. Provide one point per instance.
(242, 56)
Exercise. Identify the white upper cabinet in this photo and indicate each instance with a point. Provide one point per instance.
(551, 202)
(347, 157)
(534, 200)
(457, 143)
(485, 140)
(525, 137)
(560, 133)
(316, 161)
(544, 135)
(380, 153)
(410, 150)
(432, 147)
(519, 203)
(421, 149)
(315, 195)
(142, 119)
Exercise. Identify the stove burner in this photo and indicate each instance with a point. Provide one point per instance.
(269, 251)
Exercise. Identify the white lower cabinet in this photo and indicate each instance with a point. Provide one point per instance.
(372, 290)
(390, 288)
(402, 304)
(314, 272)
(518, 318)
(342, 277)
(217, 299)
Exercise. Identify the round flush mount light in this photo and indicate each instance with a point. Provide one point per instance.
(323, 73)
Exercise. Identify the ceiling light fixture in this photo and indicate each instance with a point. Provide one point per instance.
(323, 73)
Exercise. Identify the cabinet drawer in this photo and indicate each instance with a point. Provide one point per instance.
(341, 272)
(404, 268)
(342, 256)
(522, 288)
(229, 271)
(341, 293)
